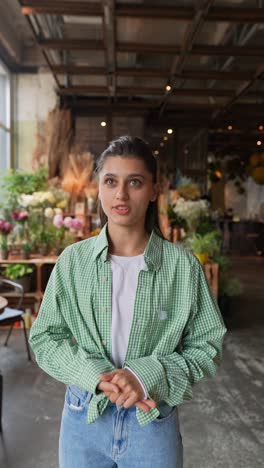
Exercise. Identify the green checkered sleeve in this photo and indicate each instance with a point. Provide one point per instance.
(55, 348)
(171, 377)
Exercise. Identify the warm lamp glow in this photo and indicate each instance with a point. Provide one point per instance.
(218, 174)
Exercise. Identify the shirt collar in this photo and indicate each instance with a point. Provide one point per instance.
(152, 252)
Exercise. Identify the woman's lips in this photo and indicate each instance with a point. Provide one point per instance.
(121, 210)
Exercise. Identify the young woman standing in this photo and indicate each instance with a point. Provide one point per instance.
(129, 323)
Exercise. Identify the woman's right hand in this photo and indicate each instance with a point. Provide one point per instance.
(107, 388)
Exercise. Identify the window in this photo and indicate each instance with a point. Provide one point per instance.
(5, 160)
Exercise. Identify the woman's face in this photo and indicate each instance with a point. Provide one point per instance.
(125, 190)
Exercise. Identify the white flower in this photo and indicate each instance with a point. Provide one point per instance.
(25, 200)
(190, 210)
(49, 213)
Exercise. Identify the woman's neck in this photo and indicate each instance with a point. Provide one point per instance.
(126, 241)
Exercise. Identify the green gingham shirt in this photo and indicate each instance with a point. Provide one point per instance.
(177, 330)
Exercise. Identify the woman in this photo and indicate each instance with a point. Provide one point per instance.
(129, 323)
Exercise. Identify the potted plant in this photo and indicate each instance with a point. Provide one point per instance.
(205, 246)
(21, 273)
(26, 249)
(5, 229)
(229, 286)
(44, 242)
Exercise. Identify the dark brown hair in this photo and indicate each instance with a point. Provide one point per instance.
(133, 147)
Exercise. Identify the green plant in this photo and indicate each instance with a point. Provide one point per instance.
(224, 263)
(46, 237)
(24, 182)
(17, 270)
(3, 243)
(209, 244)
(205, 225)
(175, 219)
(230, 286)
(26, 246)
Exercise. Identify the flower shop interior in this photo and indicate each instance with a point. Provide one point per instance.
(187, 77)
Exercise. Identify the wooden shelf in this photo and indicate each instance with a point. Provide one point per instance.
(29, 294)
(40, 280)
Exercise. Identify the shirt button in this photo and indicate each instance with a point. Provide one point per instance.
(104, 278)
(103, 309)
(104, 342)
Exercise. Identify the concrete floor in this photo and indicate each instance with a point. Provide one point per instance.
(222, 427)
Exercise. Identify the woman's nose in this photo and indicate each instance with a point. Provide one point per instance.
(122, 193)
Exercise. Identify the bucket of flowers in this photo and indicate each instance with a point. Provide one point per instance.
(5, 228)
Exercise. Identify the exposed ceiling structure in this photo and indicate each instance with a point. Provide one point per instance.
(190, 63)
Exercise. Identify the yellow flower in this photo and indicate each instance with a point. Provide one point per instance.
(52, 199)
(62, 204)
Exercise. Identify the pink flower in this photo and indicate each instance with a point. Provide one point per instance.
(58, 221)
(77, 224)
(5, 227)
(20, 215)
(67, 222)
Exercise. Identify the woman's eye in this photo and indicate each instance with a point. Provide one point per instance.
(108, 181)
(136, 182)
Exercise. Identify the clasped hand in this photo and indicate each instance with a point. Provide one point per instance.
(123, 388)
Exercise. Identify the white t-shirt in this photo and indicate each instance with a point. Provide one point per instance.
(125, 272)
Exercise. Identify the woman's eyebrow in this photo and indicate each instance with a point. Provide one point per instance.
(109, 174)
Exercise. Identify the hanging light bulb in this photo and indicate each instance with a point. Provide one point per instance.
(169, 131)
(259, 142)
(156, 152)
(165, 138)
(260, 128)
(168, 88)
(229, 127)
(103, 124)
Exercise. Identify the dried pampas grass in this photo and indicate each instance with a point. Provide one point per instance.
(77, 173)
(59, 134)
(54, 140)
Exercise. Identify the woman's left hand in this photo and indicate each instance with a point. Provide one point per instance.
(131, 390)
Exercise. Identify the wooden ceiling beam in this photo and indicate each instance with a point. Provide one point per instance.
(177, 13)
(156, 72)
(84, 44)
(110, 44)
(134, 91)
(179, 60)
(60, 7)
(71, 44)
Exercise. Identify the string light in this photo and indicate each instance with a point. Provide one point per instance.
(165, 138)
(169, 131)
(161, 143)
(229, 127)
(168, 88)
(261, 127)
(103, 124)
(156, 152)
(259, 142)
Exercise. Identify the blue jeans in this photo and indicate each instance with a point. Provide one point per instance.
(116, 439)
